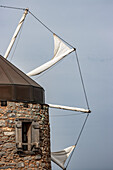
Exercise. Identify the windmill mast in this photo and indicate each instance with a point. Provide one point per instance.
(16, 33)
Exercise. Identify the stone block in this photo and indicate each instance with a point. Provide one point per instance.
(1, 111)
(2, 163)
(37, 163)
(10, 121)
(9, 145)
(11, 115)
(6, 167)
(27, 158)
(37, 157)
(20, 165)
(9, 111)
(2, 122)
(43, 164)
(3, 117)
(9, 133)
(2, 153)
(19, 115)
(11, 164)
(32, 165)
(15, 111)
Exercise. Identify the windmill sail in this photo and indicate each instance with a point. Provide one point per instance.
(60, 157)
(69, 108)
(60, 51)
(15, 34)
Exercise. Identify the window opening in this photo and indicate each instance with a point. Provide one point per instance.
(26, 135)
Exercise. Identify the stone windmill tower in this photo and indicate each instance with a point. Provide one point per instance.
(24, 121)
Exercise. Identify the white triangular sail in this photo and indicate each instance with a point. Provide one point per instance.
(60, 51)
(60, 157)
(60, 47)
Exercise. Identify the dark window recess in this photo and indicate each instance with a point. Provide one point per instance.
(27, 135)
(3, 103)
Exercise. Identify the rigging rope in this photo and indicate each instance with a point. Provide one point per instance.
(63, 115)
(17, 43)
(50, 29)
(41, 22)
(38, 21)
(86, 98)
(2, 6)
(77, 139)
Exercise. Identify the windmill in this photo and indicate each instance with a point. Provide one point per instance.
(61, 50)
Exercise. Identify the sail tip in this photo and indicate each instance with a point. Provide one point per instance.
(89, 111)
(26, 11)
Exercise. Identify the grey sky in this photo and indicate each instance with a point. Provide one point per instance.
(88, 26)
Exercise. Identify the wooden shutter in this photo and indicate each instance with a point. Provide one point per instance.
(35, 135)
(19, 134)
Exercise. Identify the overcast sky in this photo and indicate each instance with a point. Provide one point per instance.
(88, 26)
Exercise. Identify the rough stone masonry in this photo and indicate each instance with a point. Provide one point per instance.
(10, 158)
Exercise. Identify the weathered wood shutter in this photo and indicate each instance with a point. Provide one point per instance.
(19, 134)
(35, 135)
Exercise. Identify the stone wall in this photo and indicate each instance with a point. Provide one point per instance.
(9, 158)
